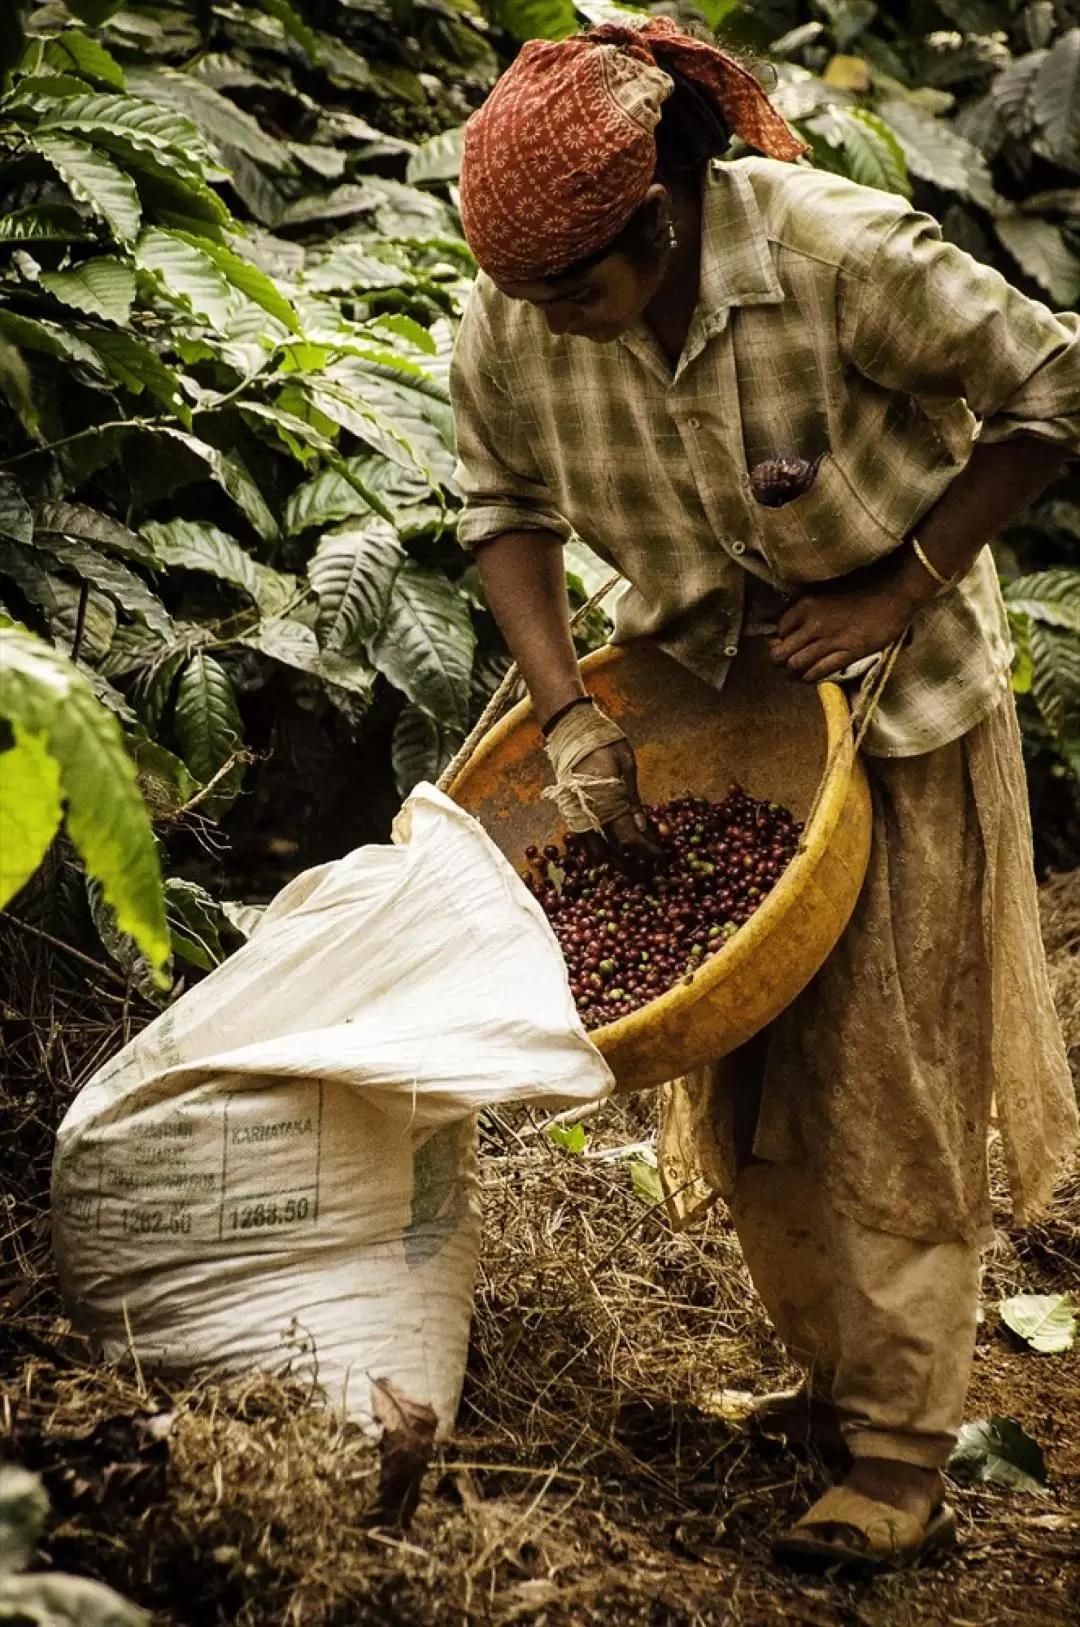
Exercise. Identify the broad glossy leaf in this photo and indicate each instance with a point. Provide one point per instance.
(44, 223)
(165, 781)
(252, 282)
(996, 1451)
(83, 612)
(195, 920)
(1056, 98)
(296, 646)
(186, 274)
(1048, 596)
(352, 572)
(208, 728)
(103, 287)
(1047, 1322)
(534, 19)
(197, 545)
(26, 568)
(79, 520)
(74, 49)
(421, 748)
(1040, 249)
(132, 363)
(46, 695)
(31, 333)
(873, 155)
(16, 516)
(118, 581)
(294, 25)
(92, 179)
(233, 476)
(438, 159)
(31, 807)
(222, 123)
(16, 386)
(936, 153)
(425, 644)
(1055, 684)
(136, 125)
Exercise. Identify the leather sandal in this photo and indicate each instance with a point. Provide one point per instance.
(846, 1528)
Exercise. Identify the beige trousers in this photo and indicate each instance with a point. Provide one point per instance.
(884, 1325)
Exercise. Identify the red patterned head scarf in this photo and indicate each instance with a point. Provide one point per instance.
(564, 150)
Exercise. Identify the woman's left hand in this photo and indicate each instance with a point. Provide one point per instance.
(826, 630)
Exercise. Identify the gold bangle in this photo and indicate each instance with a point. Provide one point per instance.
(944, 582)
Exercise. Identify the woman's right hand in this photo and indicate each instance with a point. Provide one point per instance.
(630, 833)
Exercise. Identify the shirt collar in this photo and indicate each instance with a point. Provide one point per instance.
(736, 267)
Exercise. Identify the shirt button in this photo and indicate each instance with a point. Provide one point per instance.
(693, 423)
(738, 547)
(731, 650)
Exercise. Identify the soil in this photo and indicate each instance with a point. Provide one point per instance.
(597, 1475)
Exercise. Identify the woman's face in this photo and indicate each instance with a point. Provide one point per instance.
(607, 296)
(598, 303)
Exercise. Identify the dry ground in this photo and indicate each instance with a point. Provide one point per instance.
(591, 1480)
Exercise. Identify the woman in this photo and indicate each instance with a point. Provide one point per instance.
(775, 399)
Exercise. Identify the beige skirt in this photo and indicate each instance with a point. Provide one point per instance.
(879, 1077)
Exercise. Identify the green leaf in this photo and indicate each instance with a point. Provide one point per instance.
(91, 60)
(118, 581)
(1040, 249)
(94, 12)
(996, 1451)
(164, 779)
(103, 287)
(645, 1178)
(186, 274)
(356, 486)
(353, 572)
(1052, 597)
(78, 520)
(1047, 1322)
(132, 363)
(937, 153)
(252, 282)
(426, 642)
(197, 545)
(438, 159)
(295, 646)
(15, 384)
(1057, 99)
(534, 19)
(16, 516)
(130, 124)
(83, 612)
(233, 476)
(31, 807)
(30, 334)
(873, 154)
(222, 123)
(195, 920)
(208, 728)
(569, 1138)
(294, 25)
(45, 695)
(1055, 685)
(44, 223)
(421, 748)
(94, 180)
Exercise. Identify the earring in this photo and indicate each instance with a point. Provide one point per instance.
(673, 241)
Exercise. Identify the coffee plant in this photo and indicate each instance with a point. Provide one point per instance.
(230, 273)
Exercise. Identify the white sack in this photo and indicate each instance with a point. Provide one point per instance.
(280, 1172)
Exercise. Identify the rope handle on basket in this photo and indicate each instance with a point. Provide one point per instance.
(862, 715)
(465, 752)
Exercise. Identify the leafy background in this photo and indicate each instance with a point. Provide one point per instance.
(230, 273)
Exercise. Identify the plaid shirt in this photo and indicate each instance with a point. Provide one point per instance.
(833, 323)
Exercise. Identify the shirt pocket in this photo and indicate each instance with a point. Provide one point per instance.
(825, 532)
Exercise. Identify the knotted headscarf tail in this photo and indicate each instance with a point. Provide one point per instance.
(564, 149)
